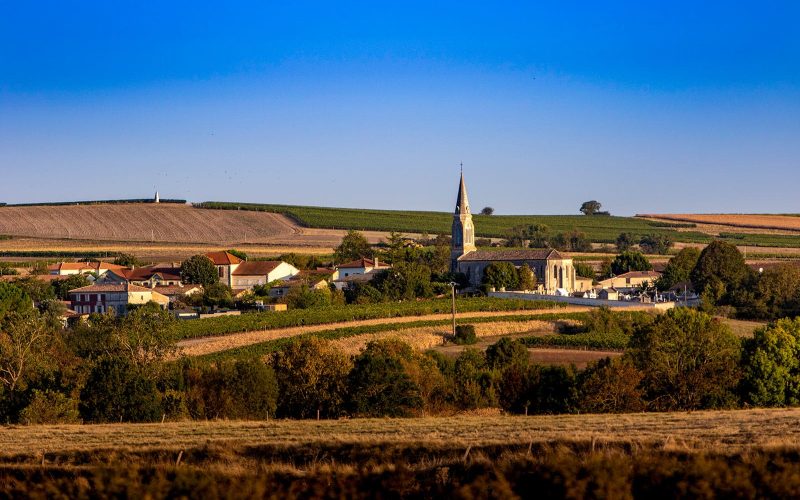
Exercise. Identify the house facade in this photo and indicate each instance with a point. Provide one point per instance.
(116, 298)
(251, 273)
(631, 280)
(226, 264)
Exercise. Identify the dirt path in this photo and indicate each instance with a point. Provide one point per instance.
(209, 345)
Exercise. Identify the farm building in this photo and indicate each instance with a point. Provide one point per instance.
(553, 270)
(114, 297)
(631, 280)
(146, 276)
(317, 279)
(360, 266)
(226, 263)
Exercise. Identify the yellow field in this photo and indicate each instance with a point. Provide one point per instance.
(710, 430)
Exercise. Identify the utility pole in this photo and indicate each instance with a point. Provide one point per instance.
(453, 294)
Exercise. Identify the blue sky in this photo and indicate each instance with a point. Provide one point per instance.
(644, 106)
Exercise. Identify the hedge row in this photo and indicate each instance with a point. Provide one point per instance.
(339, 314)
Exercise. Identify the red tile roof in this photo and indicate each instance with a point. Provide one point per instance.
(511, 255)
(110, 287)
(223, 258)
(256, 267)
(360, 263)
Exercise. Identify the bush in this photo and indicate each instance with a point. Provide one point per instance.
(506, 352)
(379, 385)
(50, 407)
(465, 335)
(611, 386)
(117, 392)
(771, 365)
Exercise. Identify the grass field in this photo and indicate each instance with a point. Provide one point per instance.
(747, 453)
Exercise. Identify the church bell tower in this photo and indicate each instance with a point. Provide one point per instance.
(463, 231)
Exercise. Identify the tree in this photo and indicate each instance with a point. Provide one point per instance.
(353, 246)
(13, 299)
(526, 278)
(678, 268)
(25, 339)
(146, 336)
(777, 293)
(38, 290)
(199, 270)
(538, 236)
(116, 391)
(720, 266)
(304, 297)
(630, 261)
(584, 270)
(312, 379)
(590, 207)
(487, 211)
(127, 260)
(625, 241)
(656, 243)
(63, 287)
(217, 295)
(506, 352)
(576, 241)
(771, 365)
(501, 275)
(395, 243)
(689, 360)
(611, 386)
(405, 281)
(379, 385)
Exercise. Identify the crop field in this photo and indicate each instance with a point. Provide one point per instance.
(745, 453)
(777, 222)
(599, 229)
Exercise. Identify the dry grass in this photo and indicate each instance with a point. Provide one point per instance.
(428, 337)
(713, 430)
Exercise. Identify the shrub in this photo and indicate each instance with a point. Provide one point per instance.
(465, 335)
(506, 352)
(50, 407)
(611, 386)
(771, 365)
(379, 385)
(117, 392)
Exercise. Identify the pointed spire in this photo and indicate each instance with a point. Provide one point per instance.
(462, 202)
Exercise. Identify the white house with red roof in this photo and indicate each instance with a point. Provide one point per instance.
(260, 272)
(226, 263)
(70, 268)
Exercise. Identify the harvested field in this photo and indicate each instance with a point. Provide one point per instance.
(779, 224)
(703, 430)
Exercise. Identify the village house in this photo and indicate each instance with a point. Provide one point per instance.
(146, 276)
(226, 263)
(116, 297)
(360, 266)
(248, 274)
(630, 281)
(553, 270)
(608, 294)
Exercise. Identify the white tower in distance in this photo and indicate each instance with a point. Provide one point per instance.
(158, 199)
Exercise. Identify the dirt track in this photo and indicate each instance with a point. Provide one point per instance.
(209, 345)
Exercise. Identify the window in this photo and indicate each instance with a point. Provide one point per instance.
(221, 272)
(102, 297)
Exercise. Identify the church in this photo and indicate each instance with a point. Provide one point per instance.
(554, 271)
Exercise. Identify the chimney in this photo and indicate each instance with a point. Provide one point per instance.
(376, 262)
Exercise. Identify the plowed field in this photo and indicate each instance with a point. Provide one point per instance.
(163, 223)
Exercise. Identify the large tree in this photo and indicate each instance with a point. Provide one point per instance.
(720, 267)
(689, 360)
(630, 261)
(379, 384)
(199, 270)
(656, 243)
(501, 275)
(590, 207)
(771, 365)
(354, 246)
(679, 268)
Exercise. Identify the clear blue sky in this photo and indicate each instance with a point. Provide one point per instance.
(646, 106)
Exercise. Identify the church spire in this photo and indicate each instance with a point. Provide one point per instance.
(462, 201)
(463, 232)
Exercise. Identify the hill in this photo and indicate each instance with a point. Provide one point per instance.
(599, 229)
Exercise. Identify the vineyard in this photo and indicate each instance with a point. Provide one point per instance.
(598, 229)
(223, 325)
(263, 348)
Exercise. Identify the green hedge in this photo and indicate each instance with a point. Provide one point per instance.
(340, 314)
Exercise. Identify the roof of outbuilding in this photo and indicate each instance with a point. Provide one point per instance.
(110, 287)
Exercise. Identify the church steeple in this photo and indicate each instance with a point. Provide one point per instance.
(463, 231)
